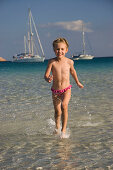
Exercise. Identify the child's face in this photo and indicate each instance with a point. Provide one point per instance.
(60, 50)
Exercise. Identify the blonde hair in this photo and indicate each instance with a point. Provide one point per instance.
(60, 40)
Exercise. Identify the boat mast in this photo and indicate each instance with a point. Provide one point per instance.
(37, 35)
(31, 34)
(83, 39)
(29, 43)
(25, 44)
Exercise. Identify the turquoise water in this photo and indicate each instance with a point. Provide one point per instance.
(27, 118)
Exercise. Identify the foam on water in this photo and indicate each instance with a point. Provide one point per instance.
(88, 124)
(51, 122)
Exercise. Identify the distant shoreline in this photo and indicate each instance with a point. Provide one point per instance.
(2, 59)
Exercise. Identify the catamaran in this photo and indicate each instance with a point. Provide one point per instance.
(83, 55)
(30, 45)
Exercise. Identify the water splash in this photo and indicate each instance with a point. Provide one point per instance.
(57, 133)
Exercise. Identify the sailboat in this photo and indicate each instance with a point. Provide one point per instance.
(83, 55)
(30, 45)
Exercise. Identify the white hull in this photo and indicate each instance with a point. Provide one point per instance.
(29, 59)
(84, 57)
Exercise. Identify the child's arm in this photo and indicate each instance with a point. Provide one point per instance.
(47, 75)
(74, 75)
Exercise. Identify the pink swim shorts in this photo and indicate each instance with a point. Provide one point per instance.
(59, 92)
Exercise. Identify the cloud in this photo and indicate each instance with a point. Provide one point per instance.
(71, 25)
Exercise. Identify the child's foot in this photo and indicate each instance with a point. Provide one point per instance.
(64, 135)
(57, 131)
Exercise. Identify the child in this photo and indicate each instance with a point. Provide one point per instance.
(61, 67)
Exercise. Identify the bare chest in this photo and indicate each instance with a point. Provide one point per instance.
(61, 68)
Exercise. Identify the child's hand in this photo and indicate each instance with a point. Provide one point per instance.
(50, 78)
(80, 85)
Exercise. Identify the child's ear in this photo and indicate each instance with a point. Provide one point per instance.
(66, 50)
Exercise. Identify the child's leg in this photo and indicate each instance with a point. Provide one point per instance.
(65, 102)
(57, 107)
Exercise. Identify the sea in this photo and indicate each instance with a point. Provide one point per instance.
(27, 122)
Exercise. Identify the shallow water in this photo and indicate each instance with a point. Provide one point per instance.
(27, 119)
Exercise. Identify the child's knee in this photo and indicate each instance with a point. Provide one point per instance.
(57, 113)
(64, 106)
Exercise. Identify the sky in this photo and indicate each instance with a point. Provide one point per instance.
(57, 18)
